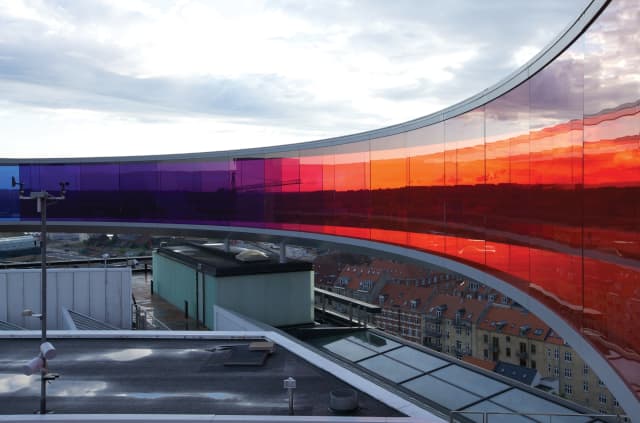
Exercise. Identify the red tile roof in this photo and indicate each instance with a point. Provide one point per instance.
(478, 362)
(472, 307)
(512, 321)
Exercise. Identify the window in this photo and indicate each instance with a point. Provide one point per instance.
(585, 386)
(585, 370)
(568, 372)
(616, 403)
(548, 352)
(468, 331)
(458, 330)
(556, 353)
(533, 348)
(508, 338)
(548, 368)
(556, 372)
(492, 297)
(485, 353)
(366, 284)
(568, 356)
(568, 389)
(602, 398)
(600, 382)
(533, 364)
(508, 352)
(504, 300)
(438, 313)
(485, 338)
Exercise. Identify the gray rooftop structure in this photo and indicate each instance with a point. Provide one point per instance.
(217, 262)
(521, 374)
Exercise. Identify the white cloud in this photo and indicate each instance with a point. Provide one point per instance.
(272, 71)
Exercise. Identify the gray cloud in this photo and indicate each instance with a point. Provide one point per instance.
(408, 30)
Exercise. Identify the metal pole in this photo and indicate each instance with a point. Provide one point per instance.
(204, 297)
(186, 315)
(290, 402)
(42, 203)
(197, 302)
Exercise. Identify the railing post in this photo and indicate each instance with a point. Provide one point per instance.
(186, 315)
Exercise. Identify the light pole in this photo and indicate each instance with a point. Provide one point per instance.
(42, 198)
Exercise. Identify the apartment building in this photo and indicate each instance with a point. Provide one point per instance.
(403, 308)
(450, 324)
(513, 335)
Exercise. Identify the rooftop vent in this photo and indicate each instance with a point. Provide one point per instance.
(343, 400)
(251, 256)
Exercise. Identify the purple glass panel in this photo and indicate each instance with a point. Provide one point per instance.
(9, 201)
(282, 186)
(139, 191)
(248, 188)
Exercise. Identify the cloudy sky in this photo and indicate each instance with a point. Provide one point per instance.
(106, 78)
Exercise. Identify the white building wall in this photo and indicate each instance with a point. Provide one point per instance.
(103, 294)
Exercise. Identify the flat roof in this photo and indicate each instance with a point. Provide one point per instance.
(167, 376)
(220, 263)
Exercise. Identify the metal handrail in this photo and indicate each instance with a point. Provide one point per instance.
(485, 415)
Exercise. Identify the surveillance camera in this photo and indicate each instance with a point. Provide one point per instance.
(33, 366)
(48, 351)
(27, 312)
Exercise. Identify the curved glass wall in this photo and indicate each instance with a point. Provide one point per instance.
(540, 186)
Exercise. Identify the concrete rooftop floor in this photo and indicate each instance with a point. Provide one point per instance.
(173, 376)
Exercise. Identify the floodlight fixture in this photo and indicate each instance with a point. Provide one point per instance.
(27, 312)
(34, 365)
(48, 351)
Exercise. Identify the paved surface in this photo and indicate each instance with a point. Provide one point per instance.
(160, 313)
(166, 376)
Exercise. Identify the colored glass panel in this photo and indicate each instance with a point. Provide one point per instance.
(389, 170)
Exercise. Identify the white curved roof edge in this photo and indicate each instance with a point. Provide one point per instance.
(533, 66)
